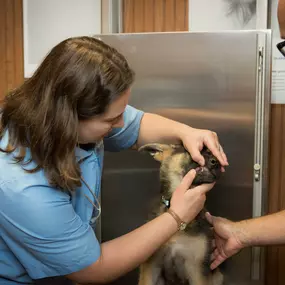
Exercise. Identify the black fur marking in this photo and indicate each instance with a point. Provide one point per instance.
(164, 184)
(243, 9)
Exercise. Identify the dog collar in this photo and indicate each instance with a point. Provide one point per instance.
(181, 225)
(166, 202)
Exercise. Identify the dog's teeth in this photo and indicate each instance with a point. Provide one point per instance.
(200, 168)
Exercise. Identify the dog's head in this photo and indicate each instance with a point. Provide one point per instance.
(176, 162)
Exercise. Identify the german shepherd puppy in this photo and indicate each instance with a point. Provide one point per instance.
(185, 258)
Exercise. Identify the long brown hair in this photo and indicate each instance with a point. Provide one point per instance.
(76, 81)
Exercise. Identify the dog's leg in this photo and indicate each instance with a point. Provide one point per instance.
(197, 278)
(145, 275)
(217, 278)
(150, 271)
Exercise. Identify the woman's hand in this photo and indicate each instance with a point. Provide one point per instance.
(194, 141)
(155, 128)
(187, 203)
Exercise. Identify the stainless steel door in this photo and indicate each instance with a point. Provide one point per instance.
(205, 80)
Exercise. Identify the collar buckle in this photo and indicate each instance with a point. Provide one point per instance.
(165, 201)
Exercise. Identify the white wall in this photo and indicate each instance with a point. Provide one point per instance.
(278, 60)
(211, 15)
(47, 22)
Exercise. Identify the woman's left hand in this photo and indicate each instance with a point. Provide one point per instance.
(194, 141)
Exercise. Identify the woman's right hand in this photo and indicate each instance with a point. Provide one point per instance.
(125, 253)
(187, 203)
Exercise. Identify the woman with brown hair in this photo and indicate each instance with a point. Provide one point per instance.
(54, 129)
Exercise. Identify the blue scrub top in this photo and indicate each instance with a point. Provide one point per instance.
(45, 232)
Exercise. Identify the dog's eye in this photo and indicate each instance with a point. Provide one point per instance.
(213, 161)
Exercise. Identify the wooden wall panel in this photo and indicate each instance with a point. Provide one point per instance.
(149, 13)
(11, 45)
(182, 16)
(139, 18)
(155, 16)
(275, 261)
(169, 12)
(158, 7)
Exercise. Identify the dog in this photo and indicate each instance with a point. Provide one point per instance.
(185, 258)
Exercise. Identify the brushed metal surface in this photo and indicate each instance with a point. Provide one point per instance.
(261, 144)
(205, 80)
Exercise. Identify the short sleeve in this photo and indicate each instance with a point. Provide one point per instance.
(41, 228)
(126, 137)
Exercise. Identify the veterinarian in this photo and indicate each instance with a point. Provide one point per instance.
(53, 130)
(231, 237)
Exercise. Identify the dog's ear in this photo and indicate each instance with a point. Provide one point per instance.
(158, 151)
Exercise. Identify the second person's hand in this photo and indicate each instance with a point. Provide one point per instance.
(228, 239)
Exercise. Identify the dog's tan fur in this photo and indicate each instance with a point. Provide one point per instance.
(185, 258)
